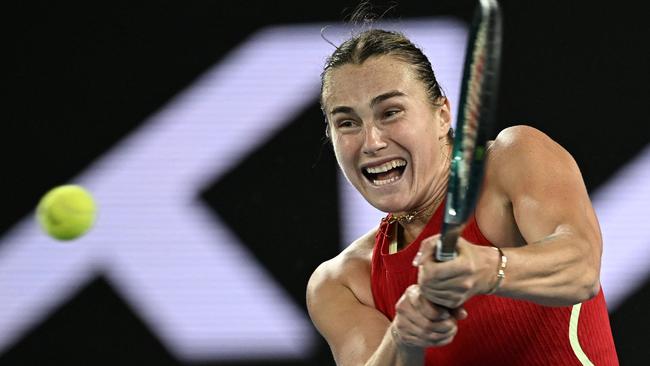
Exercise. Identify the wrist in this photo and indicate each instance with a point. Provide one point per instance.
(497, 275)
(404, 353)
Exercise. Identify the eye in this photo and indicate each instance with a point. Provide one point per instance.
(346, 124)
(392, 112)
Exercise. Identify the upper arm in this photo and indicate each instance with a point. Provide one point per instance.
(545, 188)
(352, 329)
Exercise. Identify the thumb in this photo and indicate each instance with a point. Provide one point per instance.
(427, 248)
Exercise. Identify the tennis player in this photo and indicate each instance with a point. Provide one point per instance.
(524, 288)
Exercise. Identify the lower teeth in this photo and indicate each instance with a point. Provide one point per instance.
(382, 182)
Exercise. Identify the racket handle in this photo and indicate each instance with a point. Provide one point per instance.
(446, 246)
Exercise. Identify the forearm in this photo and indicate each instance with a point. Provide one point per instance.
(391, 352)
(561, 269)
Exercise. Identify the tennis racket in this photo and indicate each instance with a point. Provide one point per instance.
(476, 112)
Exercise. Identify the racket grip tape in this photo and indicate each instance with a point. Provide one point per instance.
(446, 245)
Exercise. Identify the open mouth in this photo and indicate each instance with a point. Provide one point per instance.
(385, 173)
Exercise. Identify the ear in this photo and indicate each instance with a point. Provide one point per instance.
(444, 115)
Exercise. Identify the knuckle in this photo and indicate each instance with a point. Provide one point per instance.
(451, 325)
(413, 289)
(427, 273)
(466, 284)
(401, 328)
(435, 337)
(402, 306)
(426, 291)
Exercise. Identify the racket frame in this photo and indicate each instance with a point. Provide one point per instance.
(467, 162)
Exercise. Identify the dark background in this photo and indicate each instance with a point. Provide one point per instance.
(82, 76)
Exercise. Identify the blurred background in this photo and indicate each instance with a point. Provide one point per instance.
(197, 127)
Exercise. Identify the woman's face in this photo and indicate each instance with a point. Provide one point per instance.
(388, 136)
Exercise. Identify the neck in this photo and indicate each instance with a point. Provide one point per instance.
(413, 222)
(412, 229)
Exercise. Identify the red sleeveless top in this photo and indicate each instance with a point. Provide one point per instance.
(498, 330)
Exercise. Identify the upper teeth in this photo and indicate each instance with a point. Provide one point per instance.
(385, 166)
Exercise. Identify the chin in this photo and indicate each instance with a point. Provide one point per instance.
(387, 204)
(389, 198)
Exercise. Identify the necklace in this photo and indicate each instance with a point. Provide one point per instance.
(408, 217)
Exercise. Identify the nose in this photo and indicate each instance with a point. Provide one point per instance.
(373, 140)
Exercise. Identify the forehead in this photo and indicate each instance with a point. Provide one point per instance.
(352, 84)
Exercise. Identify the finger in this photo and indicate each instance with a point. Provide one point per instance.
(430, 311)
(459, 313)
(434, 289)
(439, 326)
(443, 288)
(450, 300)
(410, 328)
(444, 271)
(427, 248)
(444, 298)
(433, 311)
(402, 336)
(441, 339)
(423, 327)
(409, 308)
(415, 325)
(425, 314)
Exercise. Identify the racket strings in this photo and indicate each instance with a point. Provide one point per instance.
(472, 110)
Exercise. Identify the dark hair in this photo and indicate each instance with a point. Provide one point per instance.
(379, 42)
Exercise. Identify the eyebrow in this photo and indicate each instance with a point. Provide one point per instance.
(380, 98)
(376, 100)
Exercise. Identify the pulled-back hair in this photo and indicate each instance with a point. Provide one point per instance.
(379, 42)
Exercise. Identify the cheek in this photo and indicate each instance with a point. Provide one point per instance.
(343, 151)
(424, 150)
(337, 146)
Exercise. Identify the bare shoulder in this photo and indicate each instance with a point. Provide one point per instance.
(339, 295)
(523, 166)
(524, 142)
(350, 268)
(525, 151)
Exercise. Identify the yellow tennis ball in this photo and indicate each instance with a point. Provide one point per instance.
(66, 212)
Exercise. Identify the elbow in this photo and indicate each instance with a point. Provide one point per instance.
(592, 279)
(593, 288)
(589, 277)
(589, 287)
